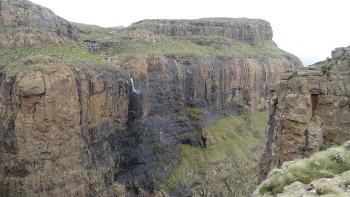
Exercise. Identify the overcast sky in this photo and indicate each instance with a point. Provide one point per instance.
(309, 29)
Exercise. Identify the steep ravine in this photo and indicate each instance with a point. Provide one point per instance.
(72, 125)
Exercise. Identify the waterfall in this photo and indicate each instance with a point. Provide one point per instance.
(134, 90)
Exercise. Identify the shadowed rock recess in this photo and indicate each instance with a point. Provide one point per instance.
(193, 124)
(309, 111)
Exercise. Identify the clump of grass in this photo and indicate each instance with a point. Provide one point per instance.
(325, 189)
(292, 75)
(347, 182)
(159, 148)
(326, 70)
(195, 114)
(325, 164)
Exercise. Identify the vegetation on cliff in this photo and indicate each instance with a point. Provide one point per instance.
(229, 164)
(194, 46)
(15, 60)
(324, 164)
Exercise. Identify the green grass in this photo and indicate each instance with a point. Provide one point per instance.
(195, 114)
(14, 60)
(185, 47)
(325, 164)
(93, 32)
(235, 139)
(328, 190)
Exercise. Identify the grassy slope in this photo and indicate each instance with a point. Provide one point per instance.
(325, 164)
(93, 32)
(233, 153)
(185, 47)
(15, 60)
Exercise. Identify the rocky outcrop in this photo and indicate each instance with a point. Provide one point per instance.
(309, 111)
(23, 22)
(341, 52)
(323, 173)
(240, 29)
(338, 185)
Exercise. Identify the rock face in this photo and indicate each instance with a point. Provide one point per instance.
(240, 29)
(309, 111)
(23, 22)
(80, 129)
(56, 125)
(341, 52)
(170, 85)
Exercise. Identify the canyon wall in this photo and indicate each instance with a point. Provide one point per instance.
(56, 129)
(309, 111)
(72, 125)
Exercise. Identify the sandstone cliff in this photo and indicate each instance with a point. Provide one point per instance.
(75, 124)
(240, 29)
(215, 75)
(309, 111)
(55, 125)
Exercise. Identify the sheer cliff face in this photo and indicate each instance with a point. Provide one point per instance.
(170, 85)
(55, 124)
(70, 123)
(23, 22)
(309, 111)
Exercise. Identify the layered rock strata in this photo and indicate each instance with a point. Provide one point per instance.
(240, 29)
(80, 129)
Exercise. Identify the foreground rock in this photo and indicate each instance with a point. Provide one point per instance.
(309, 111)
(324, 173)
